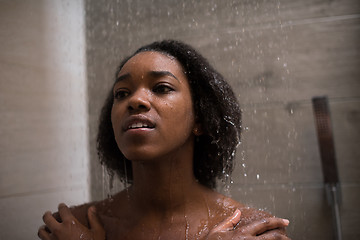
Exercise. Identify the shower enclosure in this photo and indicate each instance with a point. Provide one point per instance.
(58, 60)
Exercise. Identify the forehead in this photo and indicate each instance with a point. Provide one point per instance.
(152, 60)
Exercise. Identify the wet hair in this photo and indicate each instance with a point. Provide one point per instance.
(216, 110)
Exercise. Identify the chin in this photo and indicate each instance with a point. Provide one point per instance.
(140, 156)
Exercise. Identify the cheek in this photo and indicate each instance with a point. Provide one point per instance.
(183, 114)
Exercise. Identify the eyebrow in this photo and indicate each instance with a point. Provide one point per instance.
(151, 73)
(162, 73)
(122, 78)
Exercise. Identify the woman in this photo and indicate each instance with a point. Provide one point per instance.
(169, 127)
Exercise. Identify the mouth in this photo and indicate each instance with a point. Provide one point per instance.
(138, 122)
(139, 125)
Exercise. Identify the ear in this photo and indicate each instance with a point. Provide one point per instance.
(197, 130)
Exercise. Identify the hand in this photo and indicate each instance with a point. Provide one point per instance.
(265, 229)
(70, 228)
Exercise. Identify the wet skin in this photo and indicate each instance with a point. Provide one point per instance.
(154, 127)
(152, 90)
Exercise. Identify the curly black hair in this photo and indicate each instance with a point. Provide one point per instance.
(216, 110)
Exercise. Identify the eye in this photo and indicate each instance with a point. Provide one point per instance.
(120, 94)
(162, 88)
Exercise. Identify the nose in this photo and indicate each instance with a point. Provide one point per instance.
(139, 101)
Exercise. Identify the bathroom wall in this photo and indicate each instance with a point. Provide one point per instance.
(277, 55)
(43, 112)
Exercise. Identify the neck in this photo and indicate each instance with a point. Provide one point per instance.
(165, 184)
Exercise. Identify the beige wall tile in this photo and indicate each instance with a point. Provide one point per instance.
(43, 122)
(277, 55)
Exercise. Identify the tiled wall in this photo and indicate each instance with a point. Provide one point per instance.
(277, 55)
(43, 117)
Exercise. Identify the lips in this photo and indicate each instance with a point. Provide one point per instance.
(138, 125)
(138, 121)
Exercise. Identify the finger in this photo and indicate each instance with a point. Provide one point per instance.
(50, 221)
(274, 235)
(95, 224)
(65, 212)
(264, 225)
(229, 223)
(43, 234)
(46, 228)
(93, 219)
(57, 217)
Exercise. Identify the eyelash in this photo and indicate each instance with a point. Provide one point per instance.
(160, 89)
(119, 94)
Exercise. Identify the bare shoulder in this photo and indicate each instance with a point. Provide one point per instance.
(250, 215)
(80, 211)
(221, 206)
(226, 207)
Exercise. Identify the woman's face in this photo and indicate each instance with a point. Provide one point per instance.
(152, 115)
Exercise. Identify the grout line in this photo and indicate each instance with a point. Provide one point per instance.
(280, 23)
(298, 102)
(286, 186)
(320, 20)
(289, 23)
(42, 191)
